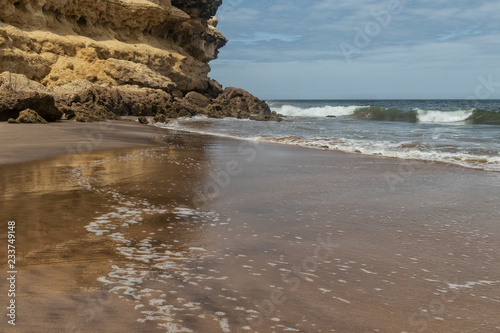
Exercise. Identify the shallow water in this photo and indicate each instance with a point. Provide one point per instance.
(204, 234)
(460, 132)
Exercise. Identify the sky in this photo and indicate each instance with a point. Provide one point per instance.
(361, 49)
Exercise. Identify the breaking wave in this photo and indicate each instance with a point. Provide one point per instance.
(325, 111)
(468, 116)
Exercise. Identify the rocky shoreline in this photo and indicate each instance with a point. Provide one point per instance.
(89, 62)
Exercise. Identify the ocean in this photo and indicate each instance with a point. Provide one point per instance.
(460, 132)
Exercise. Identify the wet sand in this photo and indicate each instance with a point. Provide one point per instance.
(29, 142)
(204, 234)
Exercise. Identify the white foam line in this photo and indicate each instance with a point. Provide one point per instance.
(385, 149)
(341, 299)
(471, 285)
(368, 272)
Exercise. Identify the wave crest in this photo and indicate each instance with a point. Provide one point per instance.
(438, 116)
(325, 111)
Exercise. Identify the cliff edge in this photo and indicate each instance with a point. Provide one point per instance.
(97, 59)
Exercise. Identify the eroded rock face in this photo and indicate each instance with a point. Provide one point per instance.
(91, 60)
(150, 43)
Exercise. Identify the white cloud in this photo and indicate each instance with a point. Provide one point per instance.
(257, 37)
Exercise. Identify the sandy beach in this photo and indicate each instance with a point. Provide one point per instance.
(207, 234)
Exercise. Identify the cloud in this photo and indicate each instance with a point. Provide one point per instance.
(258, 37)
(471, 31)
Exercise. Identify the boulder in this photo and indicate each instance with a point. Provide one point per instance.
(160, 118)
(19, 82)
(239, 103)
(29, 116)
(197, 99)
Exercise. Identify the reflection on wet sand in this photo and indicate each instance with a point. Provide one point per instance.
(59, 205)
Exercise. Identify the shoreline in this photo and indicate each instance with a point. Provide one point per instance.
(80, 138)
(335, 151)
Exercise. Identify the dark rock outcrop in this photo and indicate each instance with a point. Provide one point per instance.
(111, 102)
(12, 103)
(197, 99)
(238, 103)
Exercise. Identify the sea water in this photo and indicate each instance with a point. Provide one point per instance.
(460, 132)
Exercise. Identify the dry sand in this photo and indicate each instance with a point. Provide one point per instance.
(205, 234)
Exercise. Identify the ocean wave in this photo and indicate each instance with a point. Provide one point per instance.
(381, 114)
(411, 150)
(417, 115)
(485, 117)
(325, 111)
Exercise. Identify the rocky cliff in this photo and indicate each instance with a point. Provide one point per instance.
(100, 59)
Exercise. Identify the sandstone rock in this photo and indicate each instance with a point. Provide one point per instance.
(203, 8)
(159, 44)
(197, 99)
(19, 82)
(213, 21)
(12, 103)
(160, 118)
(29, 116)
(214, 89)
(110, 102)
(236, 102)
(143, 120)
(180, 108)
(126, 73)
